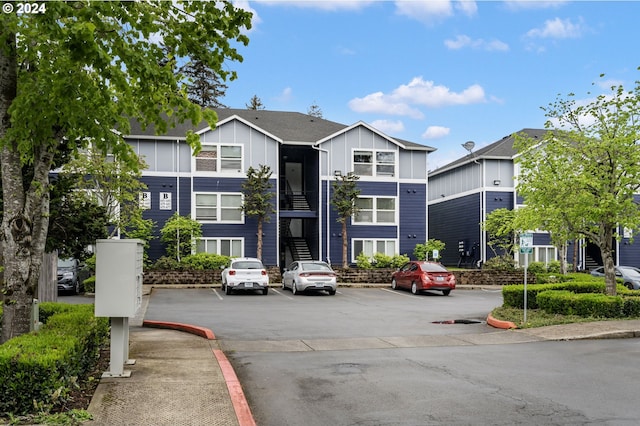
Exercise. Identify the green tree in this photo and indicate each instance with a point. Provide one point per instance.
(255, 103)
(180, 234)
(256, 202)
(109, 181)
(83, 70)
(425, 251)
(203, 84)
(592, 159)
(315, 110)
(345, 195)
(501, 232)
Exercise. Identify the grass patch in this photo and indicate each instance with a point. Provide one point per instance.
(539, 318)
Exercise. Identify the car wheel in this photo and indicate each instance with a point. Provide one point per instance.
(414, 288)
(629, 286)
(394, 285)
(283, 286)
(446, 292)
(76, 288)
(332, 292)
(294, 288)
(265, 290)
(227, 289)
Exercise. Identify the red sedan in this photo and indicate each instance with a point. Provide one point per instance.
(423, 275)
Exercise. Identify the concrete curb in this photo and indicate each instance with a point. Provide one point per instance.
(238, 400)
(499, 323)
(199, 331)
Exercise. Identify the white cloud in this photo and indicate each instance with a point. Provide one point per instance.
(388, 126)
(419, 92)
(286, 95)
(558, 28)
(435, 132)
(328, 5)
(244, 5)
(537, 4)
(431, 11)
(462, 41)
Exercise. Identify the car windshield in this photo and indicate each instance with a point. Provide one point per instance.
(66, 263)
(432, 267)
(247, 264)
(630, 272)
(315, 267)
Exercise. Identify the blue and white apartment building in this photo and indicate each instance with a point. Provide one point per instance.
(305, 154)
(464, 192)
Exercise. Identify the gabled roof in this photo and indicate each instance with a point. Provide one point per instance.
(499, 150)
(288, 127)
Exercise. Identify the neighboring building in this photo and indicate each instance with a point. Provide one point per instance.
(464, 192)
(305, 153)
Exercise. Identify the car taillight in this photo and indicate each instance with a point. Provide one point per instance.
(232, 272)
(305, 274)
(263, 272)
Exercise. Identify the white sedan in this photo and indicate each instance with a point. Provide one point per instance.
(303, 275)
(245, 273)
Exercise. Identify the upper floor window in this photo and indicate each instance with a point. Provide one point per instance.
(375, 210)
(219, 158)
(374, 163)
(218, 207)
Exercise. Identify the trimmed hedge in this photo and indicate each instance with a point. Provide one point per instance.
(38, 369)
(595, 305)
(513, 295)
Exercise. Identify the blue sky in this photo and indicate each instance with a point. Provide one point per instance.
(438, 73)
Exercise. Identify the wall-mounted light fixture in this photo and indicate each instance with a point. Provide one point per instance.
(496, 182)
(337, 173)
(442, 195)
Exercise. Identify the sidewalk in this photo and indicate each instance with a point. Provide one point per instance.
(181, 377)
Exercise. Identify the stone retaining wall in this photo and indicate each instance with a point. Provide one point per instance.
(349, 275)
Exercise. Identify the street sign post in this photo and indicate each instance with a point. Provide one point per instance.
(526, 248)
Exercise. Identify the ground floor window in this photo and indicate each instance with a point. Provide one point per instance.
(224, 246)
(371, 246)
(544, 254)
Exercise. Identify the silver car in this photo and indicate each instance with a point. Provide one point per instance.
(628, 274)
(303, 275)
(245, 273)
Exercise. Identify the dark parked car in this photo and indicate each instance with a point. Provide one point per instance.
(422, 275)
(68, 280)
(628, 274)
(303, 275)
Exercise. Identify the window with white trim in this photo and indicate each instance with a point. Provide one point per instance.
(375, 210)
(374, 163)
(218, 207)
(544, 254)
(372, 246)
(223, 246)
(219, 158)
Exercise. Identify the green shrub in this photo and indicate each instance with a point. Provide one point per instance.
(89, 284)
(553, 267)
(202, 261)
(585, 304)
(537, 268)
(380, 260)
(500, 263)
(37, 370)
(363, 261)
(166, 263)
(631, 306)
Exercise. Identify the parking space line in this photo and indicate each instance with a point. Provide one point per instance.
(396, 292)
(215, 291)
(281, 293)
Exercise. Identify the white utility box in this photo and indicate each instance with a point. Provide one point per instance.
(118, 277)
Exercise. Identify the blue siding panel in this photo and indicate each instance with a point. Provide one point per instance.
(413, 217)
(455, 220)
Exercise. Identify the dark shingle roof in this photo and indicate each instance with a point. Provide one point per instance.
(502, 149)
(290, 127)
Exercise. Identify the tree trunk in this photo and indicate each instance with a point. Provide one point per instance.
(25, 210)
(575, 255)
(606, 249)
(345, 263)
(259, 248)
(563, 258)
